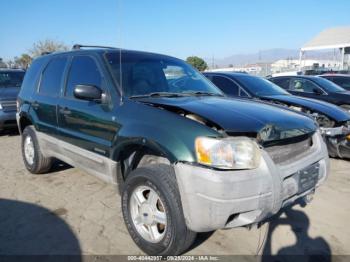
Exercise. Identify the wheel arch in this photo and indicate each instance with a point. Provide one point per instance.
(24, 120)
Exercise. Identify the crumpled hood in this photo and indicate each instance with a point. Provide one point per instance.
(238, 116)
(330, 110)
(9, 93)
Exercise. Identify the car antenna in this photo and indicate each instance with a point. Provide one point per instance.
(120, 51)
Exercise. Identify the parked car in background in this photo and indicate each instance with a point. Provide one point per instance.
(10, 83)
(315, 87)
(333, 121)
(186, 158)
(340, 80)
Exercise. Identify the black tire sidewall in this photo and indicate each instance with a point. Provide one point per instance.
(165, 245)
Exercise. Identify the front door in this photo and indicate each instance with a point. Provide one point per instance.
(87, 124)
(306, 88)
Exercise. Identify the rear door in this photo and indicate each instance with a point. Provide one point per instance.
(87, 124)
(282, 82)
(45, 98)
(226, 85)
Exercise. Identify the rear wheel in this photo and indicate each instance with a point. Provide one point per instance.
(153, 213)
(34, 160)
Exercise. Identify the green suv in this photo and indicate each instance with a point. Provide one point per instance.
(184, 157)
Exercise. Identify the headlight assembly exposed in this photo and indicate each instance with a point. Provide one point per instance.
(323, 121)
(228, 153)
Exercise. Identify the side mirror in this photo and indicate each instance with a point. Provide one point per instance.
(88, 92)
(317, 91)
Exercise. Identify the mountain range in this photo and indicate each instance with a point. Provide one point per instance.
(267, 56)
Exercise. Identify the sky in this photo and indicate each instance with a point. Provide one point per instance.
(180, 28)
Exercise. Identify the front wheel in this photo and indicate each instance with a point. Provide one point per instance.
(153, 213)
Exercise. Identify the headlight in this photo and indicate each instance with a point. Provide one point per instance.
(0, 107)
(228, 153)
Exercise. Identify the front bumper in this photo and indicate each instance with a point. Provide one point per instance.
(213, 199)
(7, 119)
(338, 141)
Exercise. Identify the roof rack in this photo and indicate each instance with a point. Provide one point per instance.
(78, 46)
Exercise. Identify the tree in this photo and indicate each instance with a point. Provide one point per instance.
(197, 62)
(45, 46)
(23, 61)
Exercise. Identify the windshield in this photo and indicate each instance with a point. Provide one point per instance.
(143, 74)
(344, 82)
(259, 86)
(328, 85)
(11, 79)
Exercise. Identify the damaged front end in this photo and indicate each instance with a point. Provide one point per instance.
(338, 140)
(336, 134)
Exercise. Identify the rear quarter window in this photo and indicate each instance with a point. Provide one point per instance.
(31, 77)
(52, 76)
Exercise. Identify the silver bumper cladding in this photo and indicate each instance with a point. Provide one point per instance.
(214, 199)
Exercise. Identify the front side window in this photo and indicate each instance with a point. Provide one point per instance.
(304, 85)
(142, 74)
(83, 71)
(11, 78)
(226, 85)
(52, 75)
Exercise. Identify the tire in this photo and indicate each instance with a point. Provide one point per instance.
(38, 164)
(176, 237)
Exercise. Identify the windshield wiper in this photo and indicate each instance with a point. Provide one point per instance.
(171, 94)
(202, 93)
(158, 94)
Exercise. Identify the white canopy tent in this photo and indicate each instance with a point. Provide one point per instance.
(332, 38)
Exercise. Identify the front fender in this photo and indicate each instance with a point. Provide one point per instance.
(171, 135)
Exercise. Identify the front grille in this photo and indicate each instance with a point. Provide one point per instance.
(8, 106)
(289, 152)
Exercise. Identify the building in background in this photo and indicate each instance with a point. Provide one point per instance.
(337, 38)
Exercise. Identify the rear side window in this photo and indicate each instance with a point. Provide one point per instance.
(83, 71)
(52, 75)
(226, 85)
(282, 82)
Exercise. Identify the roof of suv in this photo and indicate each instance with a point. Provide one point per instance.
(102, 51)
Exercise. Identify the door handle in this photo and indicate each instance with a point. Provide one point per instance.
(65, 111)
